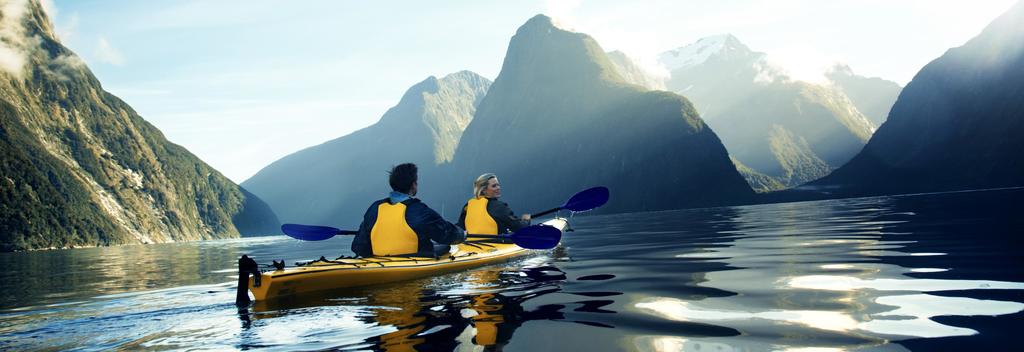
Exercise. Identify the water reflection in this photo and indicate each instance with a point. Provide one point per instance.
(802, 273)
(483, 312)
(476, 310)
(929, 272)
(62, 275)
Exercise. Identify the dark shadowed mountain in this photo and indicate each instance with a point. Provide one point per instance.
(873, 96)
(957, 125)
(334, 182)
(559, 119)
(81, 168)
(782, 132)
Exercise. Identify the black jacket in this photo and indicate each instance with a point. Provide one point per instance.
(426, 222)
(507, 220)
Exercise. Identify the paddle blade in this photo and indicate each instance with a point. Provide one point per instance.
(537, 237)
(587, 199)
(310, 232)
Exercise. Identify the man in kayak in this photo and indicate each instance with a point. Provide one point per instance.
(402, 225)
(486, 215)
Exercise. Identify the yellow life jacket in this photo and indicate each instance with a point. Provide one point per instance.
(391, 234)
(478, 220)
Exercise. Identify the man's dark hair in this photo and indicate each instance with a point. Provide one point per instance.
(402, 177)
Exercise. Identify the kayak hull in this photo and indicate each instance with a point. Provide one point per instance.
(357, 272)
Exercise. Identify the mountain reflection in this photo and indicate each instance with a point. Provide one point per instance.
(802, 272)
(59, 275)
(922, 272)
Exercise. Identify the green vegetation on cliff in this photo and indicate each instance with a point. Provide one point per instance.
(82, 168)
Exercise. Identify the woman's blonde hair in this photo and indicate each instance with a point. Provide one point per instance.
(481, 183)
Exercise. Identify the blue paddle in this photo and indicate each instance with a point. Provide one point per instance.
(584, 200)
(530, 237)
(313, 232)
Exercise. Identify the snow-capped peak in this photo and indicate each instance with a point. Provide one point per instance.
(699, 52)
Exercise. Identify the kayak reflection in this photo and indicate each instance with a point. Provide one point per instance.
(399, 308)
(475, 314)
(484, 309)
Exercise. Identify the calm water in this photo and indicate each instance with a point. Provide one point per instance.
(925, 272)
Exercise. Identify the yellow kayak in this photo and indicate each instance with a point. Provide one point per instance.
(322, 275)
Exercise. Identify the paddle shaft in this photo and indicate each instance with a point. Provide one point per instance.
(489, 236)
(546, 212)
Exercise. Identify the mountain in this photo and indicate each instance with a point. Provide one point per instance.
(757, 180)
(81, 168)
(957, 125)
(773, 126)
(560, 118)
(631, 72)
(872, 96)
(723, 47)
(708, 70)
(332, 183)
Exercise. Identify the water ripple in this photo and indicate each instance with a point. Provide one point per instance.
(883, 273)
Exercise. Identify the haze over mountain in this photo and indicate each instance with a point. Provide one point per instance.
(957, 125)
(781, 132)
(81, 168)
(559, 118)
(334, 182)
(872, 96)
(631, 72)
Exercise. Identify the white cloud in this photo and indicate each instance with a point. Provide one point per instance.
(12, 60)
(14, 48)
(108, 53)
(802, 62)
(562, 12)
(768, 73)
(13, 11)
(64, 66)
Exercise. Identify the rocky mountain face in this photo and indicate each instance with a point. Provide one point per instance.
(789, 131)
(332, 183)
(560, 118)
(81, 168)
(872, 96)
(957, 124)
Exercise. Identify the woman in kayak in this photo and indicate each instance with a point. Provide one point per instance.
(484, 214)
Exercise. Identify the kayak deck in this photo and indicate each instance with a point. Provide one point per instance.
(321, 275)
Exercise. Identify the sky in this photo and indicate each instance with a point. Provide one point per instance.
(244, 83)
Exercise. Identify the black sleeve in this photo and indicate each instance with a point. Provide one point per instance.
(361, 243)
(462, 217)
(503, 215)
(428, 222)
